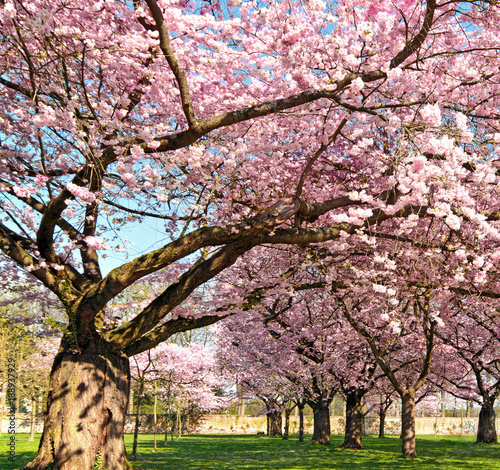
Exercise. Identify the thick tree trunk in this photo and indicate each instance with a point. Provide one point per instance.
(408, 424)
(353, 422)
(486, 431)
(321, 433)
(381, 424)
(275, 423)
(86, 409)
(301, 423)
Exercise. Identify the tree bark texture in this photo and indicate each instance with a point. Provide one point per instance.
(408, 424)
(381, 424)
(275, 423)
(353, 422)
(287, 423)
(33, 419)
(301, 423)
(86, 409)
(137, 420)
(321, 412)
(486, 430)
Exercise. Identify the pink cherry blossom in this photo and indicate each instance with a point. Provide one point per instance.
(431, 114)
(82, 193)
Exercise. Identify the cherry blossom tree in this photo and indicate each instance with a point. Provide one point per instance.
(471, 369)
(246, 359)
(224, 127)
(28, 345)
(141, 373)
(35, 373)
(188, 381)
(310, 344)
(402, 346)
(381, 399)
(183, 378)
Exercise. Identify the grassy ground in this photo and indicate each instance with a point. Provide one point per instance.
(246, 452)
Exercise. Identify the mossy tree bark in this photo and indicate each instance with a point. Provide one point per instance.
(87, 403)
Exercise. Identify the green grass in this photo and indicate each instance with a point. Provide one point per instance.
(249, 452)
(244, 452)
(25, 451)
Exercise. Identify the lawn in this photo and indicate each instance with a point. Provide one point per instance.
(248, 452)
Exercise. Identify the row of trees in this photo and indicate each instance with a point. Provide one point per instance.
(27, 351)
(351, 144)
(183, 380)
(315, 344)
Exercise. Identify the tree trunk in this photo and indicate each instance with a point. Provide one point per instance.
(275, 423)
(381, 424)
(137, 420)
(408, 423)
(3, 407)
(486, 431)
(33, 419)
(167, 415)
(166, 431)
(184, 424)
(321, 433)
(353, 413)
(461, 422)
(155, 416)
(40, 404)
(301, 423)
(178, 423)
(86, 408)
(131, 402)
(287, 423)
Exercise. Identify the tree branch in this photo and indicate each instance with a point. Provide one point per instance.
(176, 293)
(161, 26)
(419, 39)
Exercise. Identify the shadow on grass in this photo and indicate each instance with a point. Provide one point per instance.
(24, 453)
